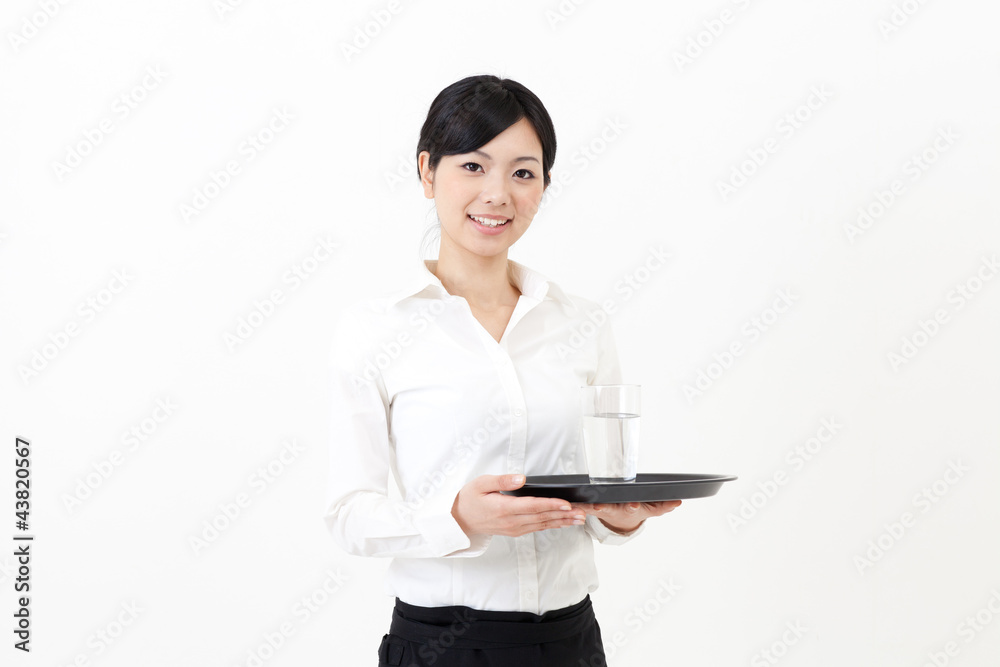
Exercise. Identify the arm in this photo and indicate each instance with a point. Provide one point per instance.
(452, 520)
(361, 517)
(617, 523)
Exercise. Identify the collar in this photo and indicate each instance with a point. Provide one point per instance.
(422, 283)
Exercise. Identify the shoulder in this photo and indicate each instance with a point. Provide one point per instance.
(578, 307)
(580, 304)
(540, 286)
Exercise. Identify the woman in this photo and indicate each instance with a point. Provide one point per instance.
(460, 384)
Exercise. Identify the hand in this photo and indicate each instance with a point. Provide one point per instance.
(480, 509)
(626, 517)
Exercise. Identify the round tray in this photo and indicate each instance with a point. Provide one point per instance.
(647, 487)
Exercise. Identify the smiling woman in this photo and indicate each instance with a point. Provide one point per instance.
(471, 113)
(492, 191)
(460, 405)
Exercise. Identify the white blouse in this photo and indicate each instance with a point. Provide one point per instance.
(422, 391)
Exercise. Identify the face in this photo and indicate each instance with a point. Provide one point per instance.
(501, 181)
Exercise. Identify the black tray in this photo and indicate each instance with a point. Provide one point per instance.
(647, 487)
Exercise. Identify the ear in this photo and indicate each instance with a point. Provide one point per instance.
(426, 175)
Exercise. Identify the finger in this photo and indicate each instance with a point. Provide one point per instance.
(493, 483)
(501, 483)
(518, 524)
(593, 508)
(611, 508)
(565, 518)
(534, 505)
(656, 509)
(552, 514)
(549, 525)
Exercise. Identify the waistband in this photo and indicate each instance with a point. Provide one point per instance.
(464, 627)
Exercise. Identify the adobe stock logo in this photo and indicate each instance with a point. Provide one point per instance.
(779, 647)
(924, 500)
(265, 307)
(231, 510)
(967, 630)
(588, 326)
(562, 12)
(108, 634)
(363, 36)
(927, 329)
(267, 645)
(787, 126)
(88, 310)
(253, 145)
(31, 25)
(698, 43)
(224, 7)
(797, 457)
(911, 171)
(122, 107)
(585, 155)
(751, 332)
(131, 439)
(901, 14)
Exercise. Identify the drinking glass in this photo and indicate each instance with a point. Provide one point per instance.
(611, 432)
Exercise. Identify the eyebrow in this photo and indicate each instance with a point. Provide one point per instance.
(523, 158)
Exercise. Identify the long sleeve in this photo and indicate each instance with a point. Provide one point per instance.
(605, 535)
(359, 513)
(424, 399)
(608, 372)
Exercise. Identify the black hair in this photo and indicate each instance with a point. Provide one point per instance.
(469, 113)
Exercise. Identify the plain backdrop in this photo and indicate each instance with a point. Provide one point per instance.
(822, 176)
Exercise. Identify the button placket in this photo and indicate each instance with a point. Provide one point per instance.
(527, 564)
(524, 545)
(515, 401)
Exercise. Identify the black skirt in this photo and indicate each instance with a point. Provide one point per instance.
(465, 637)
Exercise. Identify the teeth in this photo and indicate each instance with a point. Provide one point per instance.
(487, 222)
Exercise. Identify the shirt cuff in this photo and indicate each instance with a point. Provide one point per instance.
(477, 546)
(436, 523)
(605, 535)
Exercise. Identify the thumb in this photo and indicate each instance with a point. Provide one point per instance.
(509, 482)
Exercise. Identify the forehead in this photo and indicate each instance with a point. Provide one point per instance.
(520, 139)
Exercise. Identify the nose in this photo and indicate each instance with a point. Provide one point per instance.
(496, 189)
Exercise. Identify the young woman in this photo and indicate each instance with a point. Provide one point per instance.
(458, 385)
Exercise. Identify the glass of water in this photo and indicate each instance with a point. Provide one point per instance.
(611, 432)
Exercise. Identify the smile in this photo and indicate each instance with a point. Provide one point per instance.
(489, 222)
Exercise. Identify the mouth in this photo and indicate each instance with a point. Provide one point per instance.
(489, 223)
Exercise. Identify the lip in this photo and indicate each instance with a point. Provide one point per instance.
(490, 231)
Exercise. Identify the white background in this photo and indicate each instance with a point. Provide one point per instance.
(341, 170)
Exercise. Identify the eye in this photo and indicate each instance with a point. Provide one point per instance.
(525, 171)
(472, 164)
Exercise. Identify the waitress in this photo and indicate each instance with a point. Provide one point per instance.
(457, 386)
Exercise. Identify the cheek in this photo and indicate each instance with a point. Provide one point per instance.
(527, 207)
(536, 193)
(459, 197)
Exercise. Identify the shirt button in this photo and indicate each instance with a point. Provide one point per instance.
(518, 412)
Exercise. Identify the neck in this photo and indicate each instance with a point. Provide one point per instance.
(482, 281)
